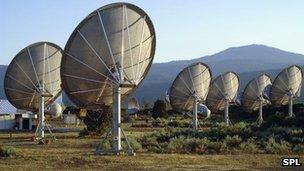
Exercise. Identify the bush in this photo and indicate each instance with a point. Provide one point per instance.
(233, 141)
(97, 122)
(159, 148)
(7, 151)
(154, 139)
(249, 146)
(105, 145)
(159, 109)
(280, 119)
(141, 125)
(133, 143)
(187, 145)
(277, 148)
(299, 148)
(220, 131)
(179, 123)
(216, 147)
(159, 122)
(241, 137)
(295, 132)
(177, 145)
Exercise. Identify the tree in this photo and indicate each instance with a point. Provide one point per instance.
(98, 122)
(159, 109)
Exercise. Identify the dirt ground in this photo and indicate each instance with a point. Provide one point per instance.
(72, 153)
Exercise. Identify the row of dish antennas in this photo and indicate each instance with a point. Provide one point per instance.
(194, 89)
(105, 59)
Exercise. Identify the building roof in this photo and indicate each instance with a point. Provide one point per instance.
(7, 108)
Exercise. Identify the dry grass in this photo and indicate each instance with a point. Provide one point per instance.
(71, 152)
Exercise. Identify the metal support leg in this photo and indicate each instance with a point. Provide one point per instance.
(100, 150)
(116, 122)
(227, 113)
(290, 111)
(130, 150)
(260, 118)
(50, 131)
(38, 129)
(41, 124)
(116, 129)
(195, 122)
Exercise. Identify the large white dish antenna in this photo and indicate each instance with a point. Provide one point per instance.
(107, 56)
(223, 90)
(32, 80)
(55, 110)
(113, 46)
(286, 87)
(34, 67)
(190, 87)
(255, 95)
(133, 104)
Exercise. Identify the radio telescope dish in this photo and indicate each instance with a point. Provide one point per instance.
(286, 87)
(32, 80)
(167, 96)
(223, 90)
(189, 88)
(133, 104)
(55, 110)
(107, 57)
(255, 95)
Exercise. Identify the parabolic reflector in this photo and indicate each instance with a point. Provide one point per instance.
(287, 83)
(254, 93)
(34, 67)
(133, 104)
(223, 89)
(190, 85)
(113, 46)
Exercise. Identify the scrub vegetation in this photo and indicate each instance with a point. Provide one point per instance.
(166, 143)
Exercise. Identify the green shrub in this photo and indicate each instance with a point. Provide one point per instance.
(296, 140)
(249, 146)
(220, 131)
(159, 109)
(240, 128)
(147, 141)
(277, 148)
(98, 122)
(216, 147)
(159, 148)
(153, 139)
(295, 132)
(238, 138)
(7, 151)
(233, 141)
(299, 148)
(105, 145)
(273, 131)
(179, 123)
(177, 144)
(187, 145)
(159, 122)
(141, 125)
(133, 143)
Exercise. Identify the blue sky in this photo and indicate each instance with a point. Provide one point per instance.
(185, 29)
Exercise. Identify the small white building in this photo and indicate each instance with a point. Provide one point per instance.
(71, 119)
(12, 118)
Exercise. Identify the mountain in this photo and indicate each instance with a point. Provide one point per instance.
(248, 61)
